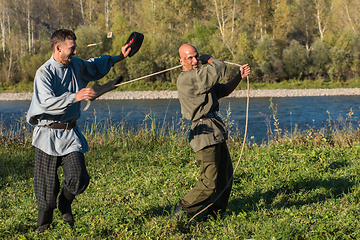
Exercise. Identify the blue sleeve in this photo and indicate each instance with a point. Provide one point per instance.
(94, 68)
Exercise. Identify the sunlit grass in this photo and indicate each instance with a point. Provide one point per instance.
(301, 185)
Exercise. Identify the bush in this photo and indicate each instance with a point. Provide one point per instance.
(199, 36)
(320, 59)
(264, 55)
(30, 63)
(295, 60)
(87, 35)
(244, 46)
(341, 63)
(355, 52)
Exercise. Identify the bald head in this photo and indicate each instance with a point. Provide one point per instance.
(185, 49)
(189, 57)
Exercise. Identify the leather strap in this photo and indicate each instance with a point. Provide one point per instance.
(207, 116)
(57, 125)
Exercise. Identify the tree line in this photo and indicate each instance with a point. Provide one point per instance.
(280, 39)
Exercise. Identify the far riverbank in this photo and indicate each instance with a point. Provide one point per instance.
(114, 95)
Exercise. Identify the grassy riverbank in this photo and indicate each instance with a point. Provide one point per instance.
(145, 85)
(300, 186)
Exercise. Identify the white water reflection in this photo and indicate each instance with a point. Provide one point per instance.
(305, 112)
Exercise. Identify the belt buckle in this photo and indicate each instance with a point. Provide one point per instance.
(67, 126)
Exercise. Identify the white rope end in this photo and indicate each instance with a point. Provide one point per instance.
(88, 102)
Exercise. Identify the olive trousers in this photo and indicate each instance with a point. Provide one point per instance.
(215, 173)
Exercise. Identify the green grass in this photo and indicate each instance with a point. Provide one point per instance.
(145, 85)
(300, 186)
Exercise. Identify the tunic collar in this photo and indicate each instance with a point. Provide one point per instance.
(57, 64)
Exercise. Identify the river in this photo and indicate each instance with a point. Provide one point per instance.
(305, 112)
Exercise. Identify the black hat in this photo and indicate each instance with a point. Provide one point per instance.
(135, 40)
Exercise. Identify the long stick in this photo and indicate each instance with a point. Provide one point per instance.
(94, 44)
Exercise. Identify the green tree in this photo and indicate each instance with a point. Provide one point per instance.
(320, 60)
(295, 60)
(86, 35)
(264, 56)
(341, 64)
(304, 23)
(324, 10)
(355, 52)
(282, 19)
(244, 49)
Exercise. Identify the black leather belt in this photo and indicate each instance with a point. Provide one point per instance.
(67, 126)
(207, 116)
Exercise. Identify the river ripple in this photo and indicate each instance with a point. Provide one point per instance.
(305, 112)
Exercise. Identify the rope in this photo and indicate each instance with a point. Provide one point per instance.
(153, 74)
(242, 149)
(88, 102)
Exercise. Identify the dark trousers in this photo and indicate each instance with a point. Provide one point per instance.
(46, 180)
(216, 171)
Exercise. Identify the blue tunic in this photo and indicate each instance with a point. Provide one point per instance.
(55, 86)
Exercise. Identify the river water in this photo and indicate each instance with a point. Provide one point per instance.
(305, 112)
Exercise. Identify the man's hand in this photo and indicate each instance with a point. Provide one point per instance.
(85, 93)
(244, 70)
(205, 58)
(125, 50)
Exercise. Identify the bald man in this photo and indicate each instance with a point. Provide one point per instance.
(199, 91)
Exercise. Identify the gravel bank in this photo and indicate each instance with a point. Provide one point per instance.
(236, 94)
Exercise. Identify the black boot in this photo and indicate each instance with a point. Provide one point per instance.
(177, 211)
(64, 205)
(210, 212)
(44, 220)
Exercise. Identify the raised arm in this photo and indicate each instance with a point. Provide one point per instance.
(125, 50)
(244, 71)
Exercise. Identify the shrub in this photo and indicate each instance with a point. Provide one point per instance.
(320, 59)
(244, 53)
(355, 52)
(87, 35)
(341, 63)
(30, 63)
(264, 54)
(295, 59)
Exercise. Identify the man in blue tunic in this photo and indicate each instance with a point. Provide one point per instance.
(59, 87)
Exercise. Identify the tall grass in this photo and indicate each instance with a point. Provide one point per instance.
(301, 185)
(339, 132)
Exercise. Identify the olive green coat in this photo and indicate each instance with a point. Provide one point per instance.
(198, 92)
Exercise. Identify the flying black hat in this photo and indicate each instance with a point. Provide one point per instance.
(134, 41)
